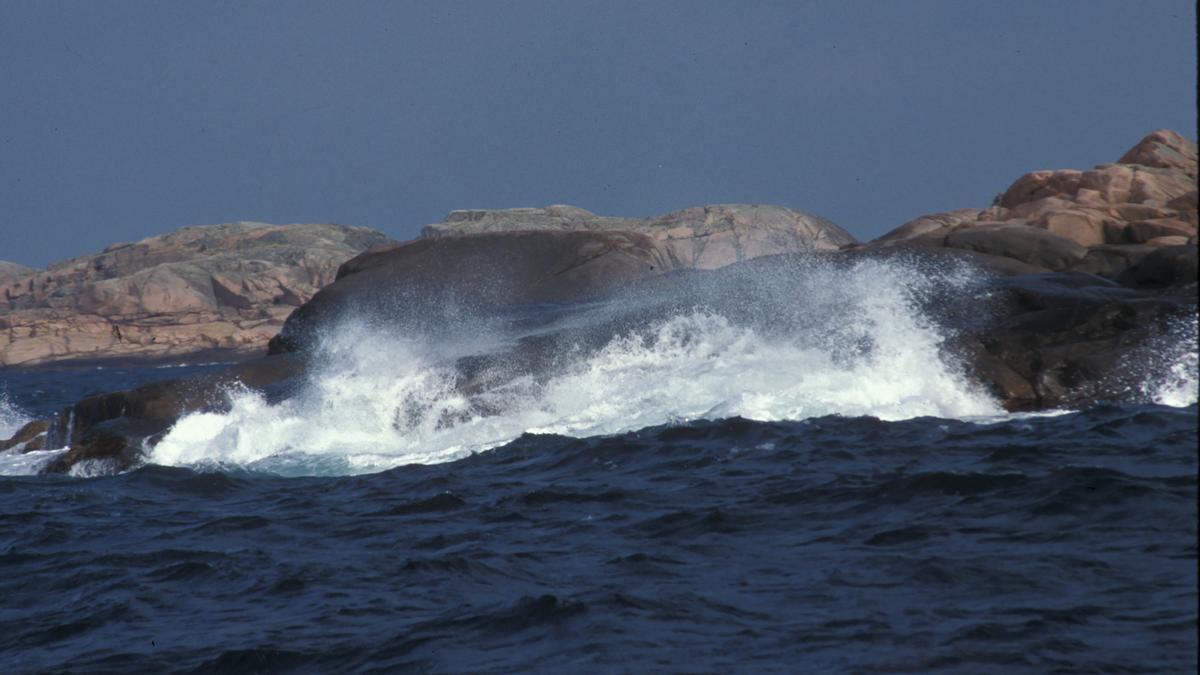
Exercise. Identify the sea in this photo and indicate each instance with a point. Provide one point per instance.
(793, 477)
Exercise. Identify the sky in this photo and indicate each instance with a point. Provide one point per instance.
(121, 120)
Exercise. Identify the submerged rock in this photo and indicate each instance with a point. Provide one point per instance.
(114, 427)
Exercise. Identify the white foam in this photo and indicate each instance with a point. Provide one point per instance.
(376, 401)
(15, 463)
(12, 418)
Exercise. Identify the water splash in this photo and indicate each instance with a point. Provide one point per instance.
(12, 418)
(822, 340)
(1173, 366)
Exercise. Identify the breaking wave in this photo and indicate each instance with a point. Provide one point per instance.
(855, 341)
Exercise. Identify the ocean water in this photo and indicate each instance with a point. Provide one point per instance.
(759, 474)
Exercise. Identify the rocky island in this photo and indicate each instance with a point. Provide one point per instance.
(213, 289)
(1080, 269)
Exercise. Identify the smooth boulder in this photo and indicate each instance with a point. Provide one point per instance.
(446, 279)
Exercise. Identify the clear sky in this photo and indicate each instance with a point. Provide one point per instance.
(119, 120)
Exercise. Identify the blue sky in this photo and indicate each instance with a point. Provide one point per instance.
(120, 120)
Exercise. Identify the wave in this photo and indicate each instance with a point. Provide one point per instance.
(823, 340)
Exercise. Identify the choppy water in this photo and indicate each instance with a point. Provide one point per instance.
(786, 475)
(1048, 543)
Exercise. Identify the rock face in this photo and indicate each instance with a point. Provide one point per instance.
(1069, 340)
(1103, 220)
(217, 287)
(701, 237)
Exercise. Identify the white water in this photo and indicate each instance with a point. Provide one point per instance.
(1178, 360)
(12, 461)
(376, 401)
(12, 418)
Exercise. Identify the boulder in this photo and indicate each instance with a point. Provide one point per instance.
(440, 281)
(1107, 212)
(1145, 230)
(1164, 149)
(930, 228)
(1029, 245)
(1039, 185)
(1067, 340)
(1164, 266)
(199, 290)
(113, 428)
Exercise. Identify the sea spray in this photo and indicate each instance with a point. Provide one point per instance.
(12, 418)
(813, 340)
(1171, 363)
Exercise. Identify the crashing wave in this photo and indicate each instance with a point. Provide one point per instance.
(854, 340)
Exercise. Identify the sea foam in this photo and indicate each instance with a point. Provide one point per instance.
(824, 341)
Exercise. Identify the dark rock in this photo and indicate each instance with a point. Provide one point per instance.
(140, 415)
(1066, 340)
(113, 449)
(1165, 266)
(438, 281)
(1111, 260)
(32, 435)
(1029, 245)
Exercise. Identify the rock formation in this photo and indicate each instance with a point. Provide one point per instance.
(218, 287)
(1110, 262)
(12, 271)
(1102, 221)
(1085, 268)
(701, 237)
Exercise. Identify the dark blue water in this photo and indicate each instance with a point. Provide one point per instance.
(1052, 544)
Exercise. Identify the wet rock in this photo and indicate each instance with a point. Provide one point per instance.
(108, 451)
(1068, 340)
(30, 437)
(139, 416)
(437, 282)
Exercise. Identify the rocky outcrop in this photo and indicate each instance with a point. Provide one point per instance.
(222, 288)
(435, 281)
(1102, 221)
(12, 271)
(701, 237)
(1083, 269)
(110, 430)
(1068, 340)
